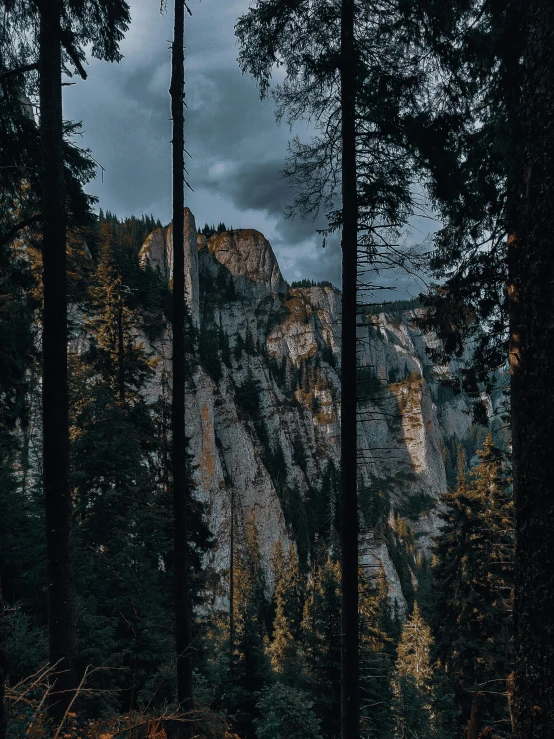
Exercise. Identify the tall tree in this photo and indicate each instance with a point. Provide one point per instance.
(183, 612)
(320, 642)
(3, 669)
(283, 648)
(471, 615)
(411, 705)
(490, 154)
(62, 627)
(121, 508)
(345, 72)
(102, 23)
(532, 363)
(350, 701)
(249, 669)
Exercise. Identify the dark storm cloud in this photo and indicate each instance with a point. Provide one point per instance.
(259, 185)
(255, 185)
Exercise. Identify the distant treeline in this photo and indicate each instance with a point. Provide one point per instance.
(133, 228)
(393, 307)
(312, 283)
(211, 230)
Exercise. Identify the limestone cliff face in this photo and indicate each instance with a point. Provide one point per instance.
(250, 259)
(263, 409)
(157, 253)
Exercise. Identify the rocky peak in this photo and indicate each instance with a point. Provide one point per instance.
(157, 253)
(248, 255)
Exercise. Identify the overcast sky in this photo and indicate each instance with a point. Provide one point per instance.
(236, 146)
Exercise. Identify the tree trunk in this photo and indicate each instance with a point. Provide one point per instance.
(120, 347)
(350, 722)
(62, 628)
(3, 669)
(232, 583)
(178, 451)
(531, 267)
(476, 716)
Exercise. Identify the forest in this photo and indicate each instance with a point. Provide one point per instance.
(237, 507)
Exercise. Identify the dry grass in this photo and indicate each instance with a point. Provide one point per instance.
(27, 701)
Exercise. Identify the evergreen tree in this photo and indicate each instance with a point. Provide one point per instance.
(411, 684)
(121, 510)
(376, 656)
(249, 667)
(473, 571)
(286, 713)
(181, 491)
(320, 642)
(283, 648)
(46, 28)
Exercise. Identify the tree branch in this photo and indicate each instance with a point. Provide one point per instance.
(18, 70)
(7, 237)
(65, 38)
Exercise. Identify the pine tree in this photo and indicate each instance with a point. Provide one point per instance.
(55, 392)
(320, 642)
(411, 684)
(47, 27)
(4, 668)
(121, 510)
(181, 492)
(473, 574)
(283, 648)
(249, 667)
(377, 644)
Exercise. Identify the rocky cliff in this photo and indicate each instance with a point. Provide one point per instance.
(263, 409)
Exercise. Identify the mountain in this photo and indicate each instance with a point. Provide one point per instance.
(263, 408)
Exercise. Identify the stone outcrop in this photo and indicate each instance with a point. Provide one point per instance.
(157, 253)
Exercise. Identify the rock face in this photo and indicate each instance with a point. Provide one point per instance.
(263, 409)
(157, 253)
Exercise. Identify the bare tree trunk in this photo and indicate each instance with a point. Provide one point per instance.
(350, 720)
(120, 347)
(62, 627)
(476, 716)
(232, 582)
(178, 452)
(531, 266)
(3, 669)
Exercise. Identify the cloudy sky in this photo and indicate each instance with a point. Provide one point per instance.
(236, 146)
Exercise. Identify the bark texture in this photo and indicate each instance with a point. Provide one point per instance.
(476, 714)
(531, 265)
(350, 720)
(3, 669)
(178, 452)
(62, 628)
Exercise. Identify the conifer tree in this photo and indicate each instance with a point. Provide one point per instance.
(4, 668)
(55, 393)
(181, 493)
(249, 667)
(120, 506)
(283, 648)
(376, 656)
(320, 642)
(411, 683)
(49, 26)
(487, 127)
(473, 571)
